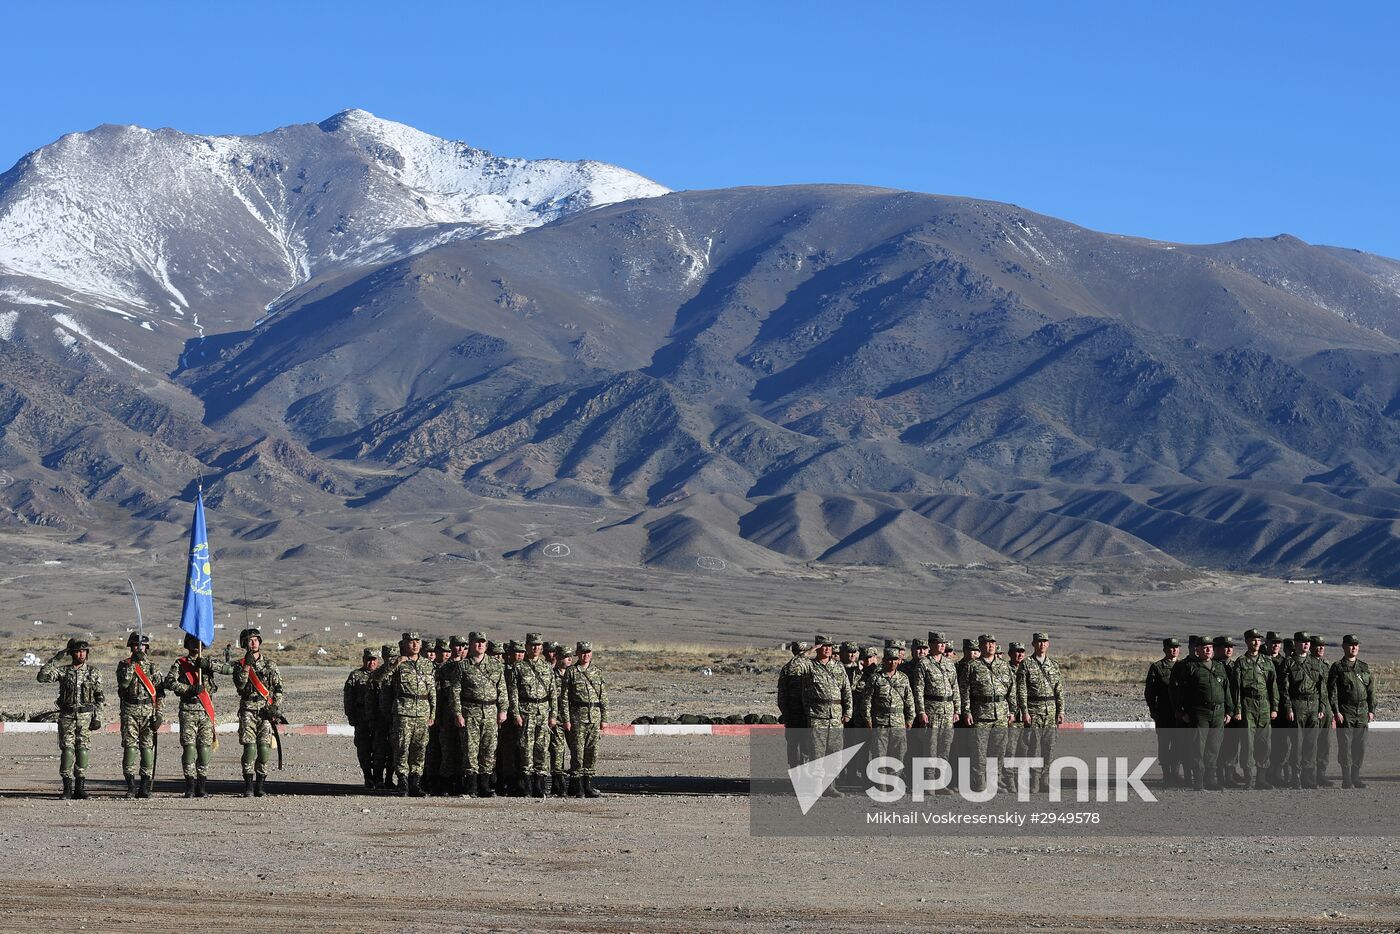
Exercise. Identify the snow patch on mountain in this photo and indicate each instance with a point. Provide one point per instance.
(7, 324)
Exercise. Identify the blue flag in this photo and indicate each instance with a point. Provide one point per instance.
(197, 615)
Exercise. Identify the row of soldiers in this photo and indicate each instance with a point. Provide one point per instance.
(1263, 718)
(881, 689)
(465, 716)
(191, 678)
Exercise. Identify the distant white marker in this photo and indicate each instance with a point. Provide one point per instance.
(711, 563)
(556, 550)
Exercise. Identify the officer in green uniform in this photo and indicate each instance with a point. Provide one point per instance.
(1040, 696)
(887, 707)
(1281, 740)
(558, 739)
(259, 685)
(988, 699)
(1201, 691)
(1301, 704)
(80, 701)
(191, 678)
(937, 700)
(509, 767)
(1230, 740)
(435, 651)
(140, 696)
(583, 708)
(1158, 694)
(1324, 733)
(477, 703)
(828, 703)
(381, 704)
(1351, 692)
(790, 706)
(413, 694)
(450, 780)
(356, 697)
(536, 699)
(1256, 707)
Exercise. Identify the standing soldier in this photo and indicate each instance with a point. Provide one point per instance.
(850, 661)
(1352, 696)
(790, 704)
(259, 685)
(413, 693)
(937, 699)
(509, 765)
(1283, 734)
(1040, 695)
(1256, 709)
(536, 700)
(449, 733)
(140, 716)
(80, 702)
(1301, 704)
(477, 702)
(558, 739)
(583, 707)
(826, 700)
(381, 705)
(988, 697)
(359, 713)
(1016, 732)
(1200, 687)
(1324, 734)
(436, 652)
(964, 743)
(191, 679)
(919, 650)
(887, 707)
(1230, 741)
(1158, 694)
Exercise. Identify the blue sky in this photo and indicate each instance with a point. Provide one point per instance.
(1183, 121)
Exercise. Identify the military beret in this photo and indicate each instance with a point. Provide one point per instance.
(1171, 643)
(1350, 639)
(456, 641)
(1318, 640)
(920, 643)
(369, 655)
(869, 651)
(1253, 634)
(410, 636)
(969, 645)
(1039, 637)
(582, 647)
(823, 640)
(1015, 647)
(1301, 636)
(1272, 638)
(390, 651)
(492, 648)
(534, 638)
(891, 654)
(563, 651)
(986, 638)
(849, 647)
(935, 636)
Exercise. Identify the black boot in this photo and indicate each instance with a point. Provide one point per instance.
(1322, 780)
(144, 789)
(259, 786)
(1308, 777)
(544, 785)
(1346, 778)
(577, 787)
(67, 791)
(369, 778)
(189, 786)
(415, 787)
(1262, 782)
(199, 787)
(1356, 781)
(483, 786)
(401, 789)
(80, 787)
(537, 786)
(130, 786)
(588, 790)
(247, 786)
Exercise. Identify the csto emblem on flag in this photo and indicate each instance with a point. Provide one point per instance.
(201, 573)
(197, 614)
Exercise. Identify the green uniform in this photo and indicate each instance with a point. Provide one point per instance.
(80, 702)
(188, 679)
(1351, 692)
(1256, 705)
(989, 694)
(1040, 692)
(139, 717)
(887, 704)
(380, 704)
(558, 739)
(790, 704)
(1157, 691)
(936, 696)
(827, 702)
(583, 709)
(1201, 691)
(1284, 734)
(1302, 695)
(536, 699)
(361, 717)
(1324, 734)
(413, 695)
(478, 696)
(255, 712)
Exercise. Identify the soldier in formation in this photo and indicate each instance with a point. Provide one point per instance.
(259, 686)
(1040, 702)
(191, 678)
(536, 701)
(559, 765)
(381, 704)
(887, 707)
(80, 700)
(583, 709)
(1351, 693)
(360, 715)
(478, 705)
(1158, 694)
(412, 691)
(140, 697)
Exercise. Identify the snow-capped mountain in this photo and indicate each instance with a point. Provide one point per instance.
(162, 229)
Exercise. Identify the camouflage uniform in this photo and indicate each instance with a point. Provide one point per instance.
(381, 707)
(1200, 689)
(478, 696)
(449, 736)
(509, 769)
(887, 705)
(1157, 692)
(140, 718)
(361, 716)
(1301, 695)
(558, 738)
(413, 694)
(826, 701)
(1040, 694)
(255, 716)
(80, 700)
(583, 709)
(1351, 691)
(536, 699)
(790, 699)
(936, 696)
(432, 753)
(1256, 705)
(188, 678)
(988, 694)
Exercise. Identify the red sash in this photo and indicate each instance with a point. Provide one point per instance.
(145, 681)
(256, 681)
(192, 676)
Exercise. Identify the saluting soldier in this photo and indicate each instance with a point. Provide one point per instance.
(1351, 691)
(191, 678)
(1201, 691)
(583, 707)
(1040, 695)
(988, 697)
(1301, 704)
(536, 699)
(1158, 694)
(80, 701)
(381, 705)
(478, 705)
(887, 707)
(558, 739)
(790, 704)
(413, 693)
(358, 714)
(259, 685)
(140, 699)
(937, 699)
(1256, 707)
(1324, 733)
